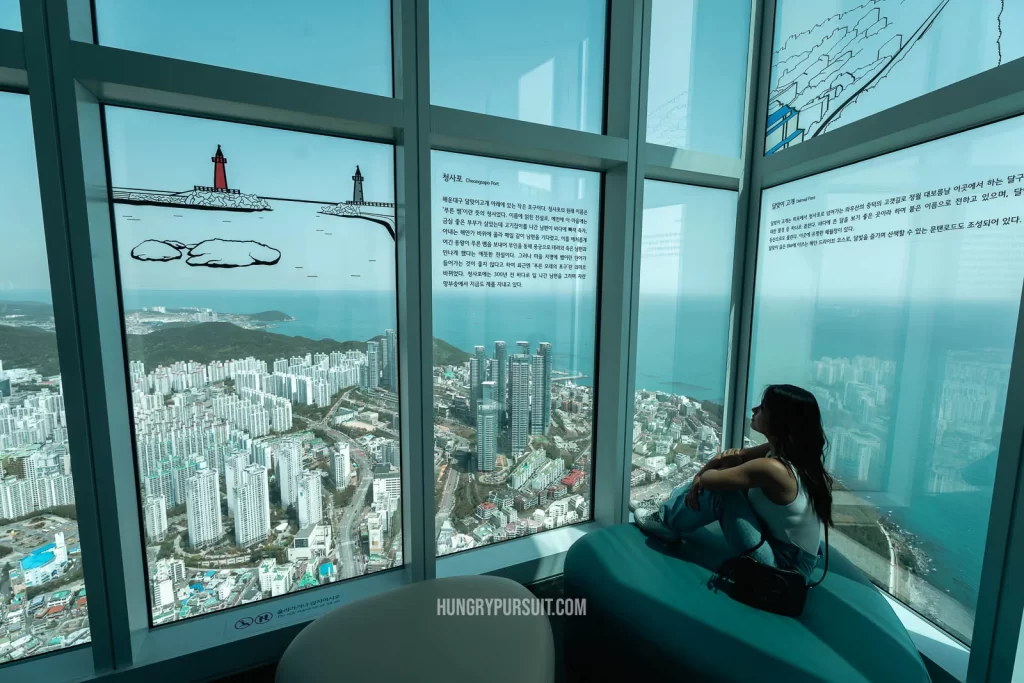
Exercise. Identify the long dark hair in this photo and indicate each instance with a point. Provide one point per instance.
(794, 423)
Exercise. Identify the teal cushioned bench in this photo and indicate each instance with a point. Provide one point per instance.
(649, 609)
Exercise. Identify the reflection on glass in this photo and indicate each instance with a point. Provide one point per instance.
(682, 333)
(258, 277)
(515, 293)
(10, 15)
(890, 289)
(340, 43)
(42, 592)
(837, 61)
(531, 60)
(698, 74)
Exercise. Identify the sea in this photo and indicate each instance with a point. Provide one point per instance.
(682, 349)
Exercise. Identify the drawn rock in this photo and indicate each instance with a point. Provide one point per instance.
(156, 250)
(218, 253)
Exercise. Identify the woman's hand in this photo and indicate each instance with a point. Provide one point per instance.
(692, 499)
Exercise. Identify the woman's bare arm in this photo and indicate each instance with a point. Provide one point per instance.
(734, 457)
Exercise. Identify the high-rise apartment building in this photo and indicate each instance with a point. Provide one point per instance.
(372, 366)
(487, 432)
(309, 504)
(518, 403)
(252, 507)
(540, 410)
(289, 469)
(341, 466)
(498, 374)
(202, 507)
(392, 343)
(154, 515)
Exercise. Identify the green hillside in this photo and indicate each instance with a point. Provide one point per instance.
(32, 347)
(207, 342)
(29, 347)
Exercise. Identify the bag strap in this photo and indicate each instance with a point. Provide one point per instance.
(812, 585)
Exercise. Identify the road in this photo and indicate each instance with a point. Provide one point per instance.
(444, 510)
(348, 526)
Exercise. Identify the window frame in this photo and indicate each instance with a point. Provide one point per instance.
(71, 77)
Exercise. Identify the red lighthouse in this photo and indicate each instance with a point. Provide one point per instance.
(220, 175)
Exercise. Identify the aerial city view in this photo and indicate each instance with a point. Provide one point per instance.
(512, 443)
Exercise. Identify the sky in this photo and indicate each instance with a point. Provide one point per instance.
(698, 73)
(10, 15)
(533, 60)
(21, 217)
(689, 234)
(173, 153)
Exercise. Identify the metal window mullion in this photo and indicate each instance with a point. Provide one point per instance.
(616, 322)
(1000, 606)
(748, 208)
(415, 322)
(72, 357)
(82, 258)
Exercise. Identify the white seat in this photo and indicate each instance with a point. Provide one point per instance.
(399, 636)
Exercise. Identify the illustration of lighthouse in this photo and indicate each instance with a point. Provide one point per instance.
(357, 187)
(220, 174)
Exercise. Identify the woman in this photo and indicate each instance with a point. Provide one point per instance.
(779, 491)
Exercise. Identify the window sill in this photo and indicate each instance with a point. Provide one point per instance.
(233, 640)
(943, 651)
(524, 560)
(73, 664)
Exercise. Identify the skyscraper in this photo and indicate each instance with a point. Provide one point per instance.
(372, 365)
(341, 466)
(309, 505)
(498, 373)
(289, 469)
(392, 341)
(154, 514)
(518, 403)
(540, 413)
(202, 508)
(385, 361)
(486, 432)
(234, 466)
(477, 374)
(252, 507)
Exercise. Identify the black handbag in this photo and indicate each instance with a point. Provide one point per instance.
(781, 591)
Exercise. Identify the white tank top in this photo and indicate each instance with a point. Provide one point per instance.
(796, 523)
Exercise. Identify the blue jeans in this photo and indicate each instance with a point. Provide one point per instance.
(740, 526)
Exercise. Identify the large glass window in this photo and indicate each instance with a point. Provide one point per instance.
(341, 43)
(698, 74)
(530, 60)
(257, 270)
(837, 61)
(43, 603)
(686, 258)
(515, 295)
(890, 289)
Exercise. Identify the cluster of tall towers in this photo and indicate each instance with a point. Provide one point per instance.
(382, 363)
(509, 394)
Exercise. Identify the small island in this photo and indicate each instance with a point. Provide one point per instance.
(270, 317)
